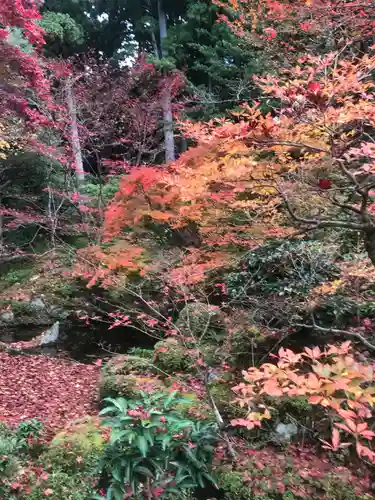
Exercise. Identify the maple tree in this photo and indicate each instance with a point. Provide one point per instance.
(286, 28)
(308, 165)
(26, 71)
(120, 110)
(216, 223)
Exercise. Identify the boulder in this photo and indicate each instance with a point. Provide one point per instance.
(51, 336)
(202, 321)
(37, 304)
(285, 432)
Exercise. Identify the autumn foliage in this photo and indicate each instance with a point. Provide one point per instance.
(331, 378)
(307, 165)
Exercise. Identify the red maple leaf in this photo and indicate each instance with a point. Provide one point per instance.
(325, 183)
(314, 87)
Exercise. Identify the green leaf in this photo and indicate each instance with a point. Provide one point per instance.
(128, 472)
(148, 436)
(118, 434)
(156, 465)
(120, 403)
(210, 478)
(118, 492)
(108, 409)
(144, 470)
(165, 441)
(117, 473)
(142, 445)
(192, 458)
(187, 484)
(200, 480)
(170, 398)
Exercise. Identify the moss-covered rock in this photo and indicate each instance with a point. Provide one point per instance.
(125, 375)
(193, 408)
(234, 487)
(171, 357)
(223, 396)
(127, 364)
(127, 386)
(202, 321)
(64, 485)
(76, 449)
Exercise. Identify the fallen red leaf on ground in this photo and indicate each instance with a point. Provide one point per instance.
(53, 390)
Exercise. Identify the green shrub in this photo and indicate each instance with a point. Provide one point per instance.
(124, 364)
(284, 268)
(117, 385)
(14, 449)
(16, 276)
(9, 462)
(28, 429)
(337, 490)
(154, 450)
(193, 408)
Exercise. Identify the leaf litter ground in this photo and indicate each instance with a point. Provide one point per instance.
(53, 390)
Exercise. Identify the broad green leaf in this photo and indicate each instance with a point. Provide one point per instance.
(155, 464)
(117, 473)
(170, 398)
(142, 445)
(107, 409)
(148, 436)
(200, 480)
(118, 434)
(210, 478)
(144, 470)
(118, 492)
(165, 441)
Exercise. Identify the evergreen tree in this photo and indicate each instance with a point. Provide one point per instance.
(218, 65)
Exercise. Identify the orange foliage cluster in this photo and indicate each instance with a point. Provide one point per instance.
(331, 378)
(260, 176)
(265, 21)
(241, 184)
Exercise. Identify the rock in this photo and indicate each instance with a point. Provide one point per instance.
(7, 317)
(7, 337)
(170, 356)
(284, 432)
(51, 335)
(202, 321)
(38, 304)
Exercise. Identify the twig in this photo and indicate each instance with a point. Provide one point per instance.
(337, 331)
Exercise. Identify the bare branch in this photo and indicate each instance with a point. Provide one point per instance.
(319, 224)
(336, 331)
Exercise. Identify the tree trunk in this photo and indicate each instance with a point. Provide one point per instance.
(74, 135)
(166, 99)
(370, 245)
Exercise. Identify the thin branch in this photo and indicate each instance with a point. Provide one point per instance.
(337, 331)
(289, 144)
(323, 223)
